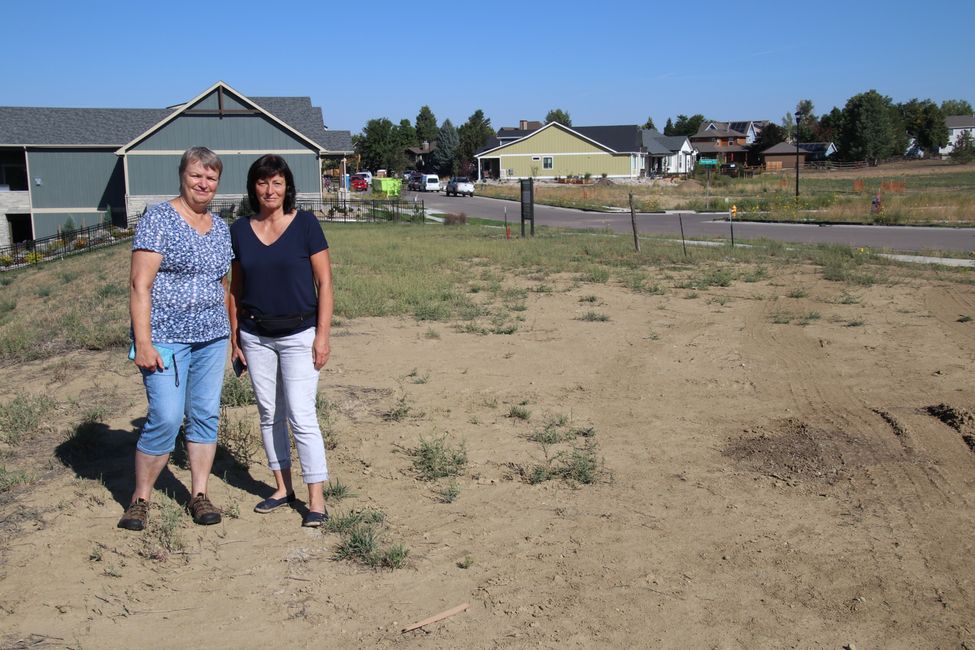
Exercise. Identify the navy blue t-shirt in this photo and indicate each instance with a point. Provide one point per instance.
(278, 279)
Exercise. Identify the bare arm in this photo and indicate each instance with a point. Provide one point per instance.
(145, 266)
(321, 266)
(234, 297)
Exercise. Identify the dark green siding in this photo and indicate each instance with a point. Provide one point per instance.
(154, 175)
(49, 223)
(253, 132)
(75, 178)
(211, 103)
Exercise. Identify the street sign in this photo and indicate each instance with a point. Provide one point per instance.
(707, 162)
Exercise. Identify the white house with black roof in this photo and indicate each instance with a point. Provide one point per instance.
(82, 164)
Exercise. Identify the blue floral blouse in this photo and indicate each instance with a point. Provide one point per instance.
(187, 295)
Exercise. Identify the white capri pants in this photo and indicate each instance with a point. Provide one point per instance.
(285, 384)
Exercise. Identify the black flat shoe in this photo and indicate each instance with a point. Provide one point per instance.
(269, 504)
(314, 519)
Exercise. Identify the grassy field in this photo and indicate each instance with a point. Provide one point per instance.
(911, 193)
(448, 274)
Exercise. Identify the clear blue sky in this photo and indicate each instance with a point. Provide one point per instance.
(604, 63)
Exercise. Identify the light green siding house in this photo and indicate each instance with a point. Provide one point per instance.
(557, 151)
(80, 166)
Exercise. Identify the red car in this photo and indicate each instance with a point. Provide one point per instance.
(359, 183)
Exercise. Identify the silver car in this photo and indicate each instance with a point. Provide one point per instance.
(460, 185)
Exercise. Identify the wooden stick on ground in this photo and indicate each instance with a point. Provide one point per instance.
(437, 617)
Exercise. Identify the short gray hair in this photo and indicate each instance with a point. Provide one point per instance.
(203, 156)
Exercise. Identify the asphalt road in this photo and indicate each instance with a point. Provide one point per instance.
(895, 238)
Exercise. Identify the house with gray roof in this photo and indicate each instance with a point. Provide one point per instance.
(559, 151)
(668, 155)
(957, 125)
(84, 165)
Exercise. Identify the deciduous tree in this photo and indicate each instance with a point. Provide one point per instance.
(558, 115)
(685, 125)
(956, 107)
(924, 121)
(868, 131)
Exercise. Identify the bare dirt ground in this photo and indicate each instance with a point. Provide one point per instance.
(767, 484)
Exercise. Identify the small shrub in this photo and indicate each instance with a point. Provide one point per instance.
(237, 391)
(337, 491)
(12, 478)
(798, 293)
(436, 458)
(964, 318)
(449, 492)
(589, 298)
(455, 219)
(238, 438)
(23, 416)
(808, 318)
(466, 563)
(519, 412)
(593, 317)
(400, 411)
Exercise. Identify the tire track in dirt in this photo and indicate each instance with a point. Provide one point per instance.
(902, 500)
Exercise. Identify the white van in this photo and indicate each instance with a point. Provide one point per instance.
(430, 183)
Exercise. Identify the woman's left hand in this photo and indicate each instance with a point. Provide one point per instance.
(320, 351)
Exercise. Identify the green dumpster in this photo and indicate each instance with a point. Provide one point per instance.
(388, 186)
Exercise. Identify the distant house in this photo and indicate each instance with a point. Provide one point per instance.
(555, 150)
(957, 124)
(84, 165)
(667, 154)
(510, 134)
(783, 155)
(419, 157)
(725, 145)
(751, 129)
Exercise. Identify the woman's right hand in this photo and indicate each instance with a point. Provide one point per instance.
(236, 353)
(147, 358)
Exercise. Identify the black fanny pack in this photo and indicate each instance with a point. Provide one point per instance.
(278, 325)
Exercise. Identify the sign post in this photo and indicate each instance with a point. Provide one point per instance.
(527, 204)
(709, 163)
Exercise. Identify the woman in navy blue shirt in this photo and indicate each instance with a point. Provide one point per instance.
(280, 318)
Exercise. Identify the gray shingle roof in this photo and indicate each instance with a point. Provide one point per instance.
(653, 145)
(20, 125)
(960, 121)
(623, 138)
(114, 127)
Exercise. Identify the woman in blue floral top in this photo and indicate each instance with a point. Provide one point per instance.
(178, 303)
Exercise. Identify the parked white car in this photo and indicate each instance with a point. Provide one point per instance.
(460, 185)
(430, 183)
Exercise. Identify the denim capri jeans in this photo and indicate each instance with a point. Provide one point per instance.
(189, 389)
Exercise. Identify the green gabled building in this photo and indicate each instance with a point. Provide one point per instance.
(557, 151)
(79, 165)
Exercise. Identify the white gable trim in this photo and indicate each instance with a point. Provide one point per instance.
(184, 107)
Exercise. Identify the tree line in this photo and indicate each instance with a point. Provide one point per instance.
(869, 127)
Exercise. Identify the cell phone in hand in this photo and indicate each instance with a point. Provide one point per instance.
(239, 367)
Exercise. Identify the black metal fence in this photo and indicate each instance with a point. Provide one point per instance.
(336, 209)
(329, 210)
(67, 242)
